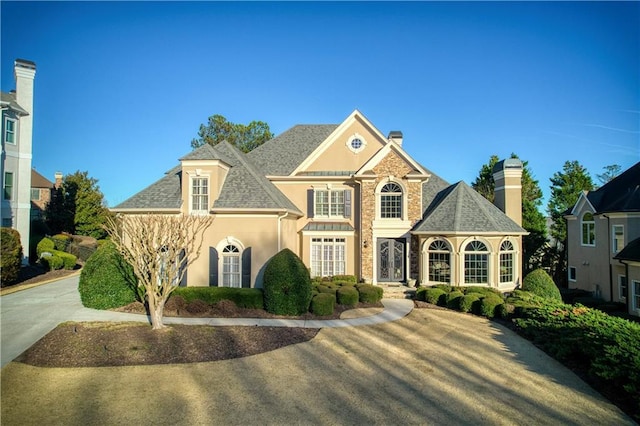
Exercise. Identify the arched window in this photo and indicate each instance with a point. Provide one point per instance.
(439, 262)
(391, 201)
(476, 263)
(506, 262)
(231, 266)
(588, 230)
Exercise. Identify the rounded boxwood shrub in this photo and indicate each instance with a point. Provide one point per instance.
(51, 261)
(370, 293)
(330, 289)
(467, 301)
(287, 285)
(11, 255)
(541, 284)
(348, 278)
(45, 245)
(323, 304)
(483, 291)
(489, 306)
(453, 299)
(68, 260)
(61, 241)
(433, 295)
(107, 281)
(348, 295)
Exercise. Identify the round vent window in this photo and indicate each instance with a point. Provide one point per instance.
(356, 143)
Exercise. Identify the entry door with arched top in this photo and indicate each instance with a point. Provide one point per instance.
(390, 260)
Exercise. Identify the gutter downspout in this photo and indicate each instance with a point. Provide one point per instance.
(609, 260)
(284, 214)
(626, 274)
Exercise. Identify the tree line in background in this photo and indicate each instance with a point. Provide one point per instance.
(546, 247)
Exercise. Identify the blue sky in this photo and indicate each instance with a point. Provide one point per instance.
(122, 87)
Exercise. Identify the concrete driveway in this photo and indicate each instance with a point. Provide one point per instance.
(431, 367)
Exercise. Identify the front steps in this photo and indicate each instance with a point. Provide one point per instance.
(398, 291)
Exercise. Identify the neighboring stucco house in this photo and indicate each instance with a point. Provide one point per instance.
(347, 200)
(602, 229)
(17, 126)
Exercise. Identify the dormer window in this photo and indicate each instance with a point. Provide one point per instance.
(200, 195)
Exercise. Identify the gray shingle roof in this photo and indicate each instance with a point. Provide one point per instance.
(163, 194)
(9, 99)
(281, 155)
(329, 226)
(630, 252)
(459, 208)
(622, 194)
(205, 152)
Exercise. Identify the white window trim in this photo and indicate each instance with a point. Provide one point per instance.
(569, 273)
(426, 251)
(322, 245)
(463, 253)
(634, 302)
(15, 131)
(4, 185)
(228, 241)
(329, 189)
(593, 224)
(404, 206)
(613, 238)
(356, 136)
(514, 261)
(620, 296)
(199, 176)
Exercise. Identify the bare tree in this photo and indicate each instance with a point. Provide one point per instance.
(160, 248)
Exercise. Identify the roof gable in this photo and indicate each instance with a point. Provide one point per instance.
(9, 100)
(39, 181)
(460, 209)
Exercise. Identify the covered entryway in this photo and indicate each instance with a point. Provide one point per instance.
(391, 259)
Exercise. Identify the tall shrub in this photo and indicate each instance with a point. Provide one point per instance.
(107, 281)
(11, 254)
(541, 284)
(287, 285)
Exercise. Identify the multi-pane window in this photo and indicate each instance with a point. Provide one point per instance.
(506, 262)
(623, 287)
(200, 194)
(8, 186)
(328, 257)
(439, 262)
(572, 273)
(329, 203)
(618, 238)
(588, 230)
(35, 193)
(231, 267)
(476, 263)
(10, 131)
(636, 295)
(391, 201)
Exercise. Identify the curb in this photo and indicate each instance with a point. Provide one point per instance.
(17, 287)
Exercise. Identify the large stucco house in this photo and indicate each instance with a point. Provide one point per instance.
(348, 200)
(603, 241)
(17, 128)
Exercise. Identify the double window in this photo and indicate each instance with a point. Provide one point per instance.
(588, 230)
(329, 203)
(7, 192)
(391, 201)
(200, 194)
(439, 262)
(231, 267)
(506, 262)
(328, 257)
(10, 131)
(476, 263)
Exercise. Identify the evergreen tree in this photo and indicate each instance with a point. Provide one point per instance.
(244, 137)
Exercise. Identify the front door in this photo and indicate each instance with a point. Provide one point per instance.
(391, 260)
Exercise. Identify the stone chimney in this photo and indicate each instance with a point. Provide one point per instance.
(58, 182)
(507, 175)
(395, 136)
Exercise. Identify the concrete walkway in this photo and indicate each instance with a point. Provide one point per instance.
(59, 301)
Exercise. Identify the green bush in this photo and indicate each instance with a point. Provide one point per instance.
(348, 278)
(52, 262)
(541, 284)
(323, 304)
(444, 287)
(453, 299)
(107, 281)
(68, 260)
(10, 255)
(342, 283)
(468, 300)
(45, 245)
(348, 295)
(434, 295)
(61, 241)
(484, 291)
(420, 293)
(489, 306)
(287, 285)
(250, 298)
(370, 293)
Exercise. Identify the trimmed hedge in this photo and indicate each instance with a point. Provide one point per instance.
(468, 301)
(370, 293)
(323, 304)
(107, 281)
(434, 295)
(492, 306)
(10, 255)
(541, 284)
(250, 298)
(287, 285)
(61, 241)
(453, 299)
(52, 262)
(45, 245)
(348, 278)
(330, 289)
(348, 295)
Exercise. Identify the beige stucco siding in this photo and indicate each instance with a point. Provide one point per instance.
(215, 170)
